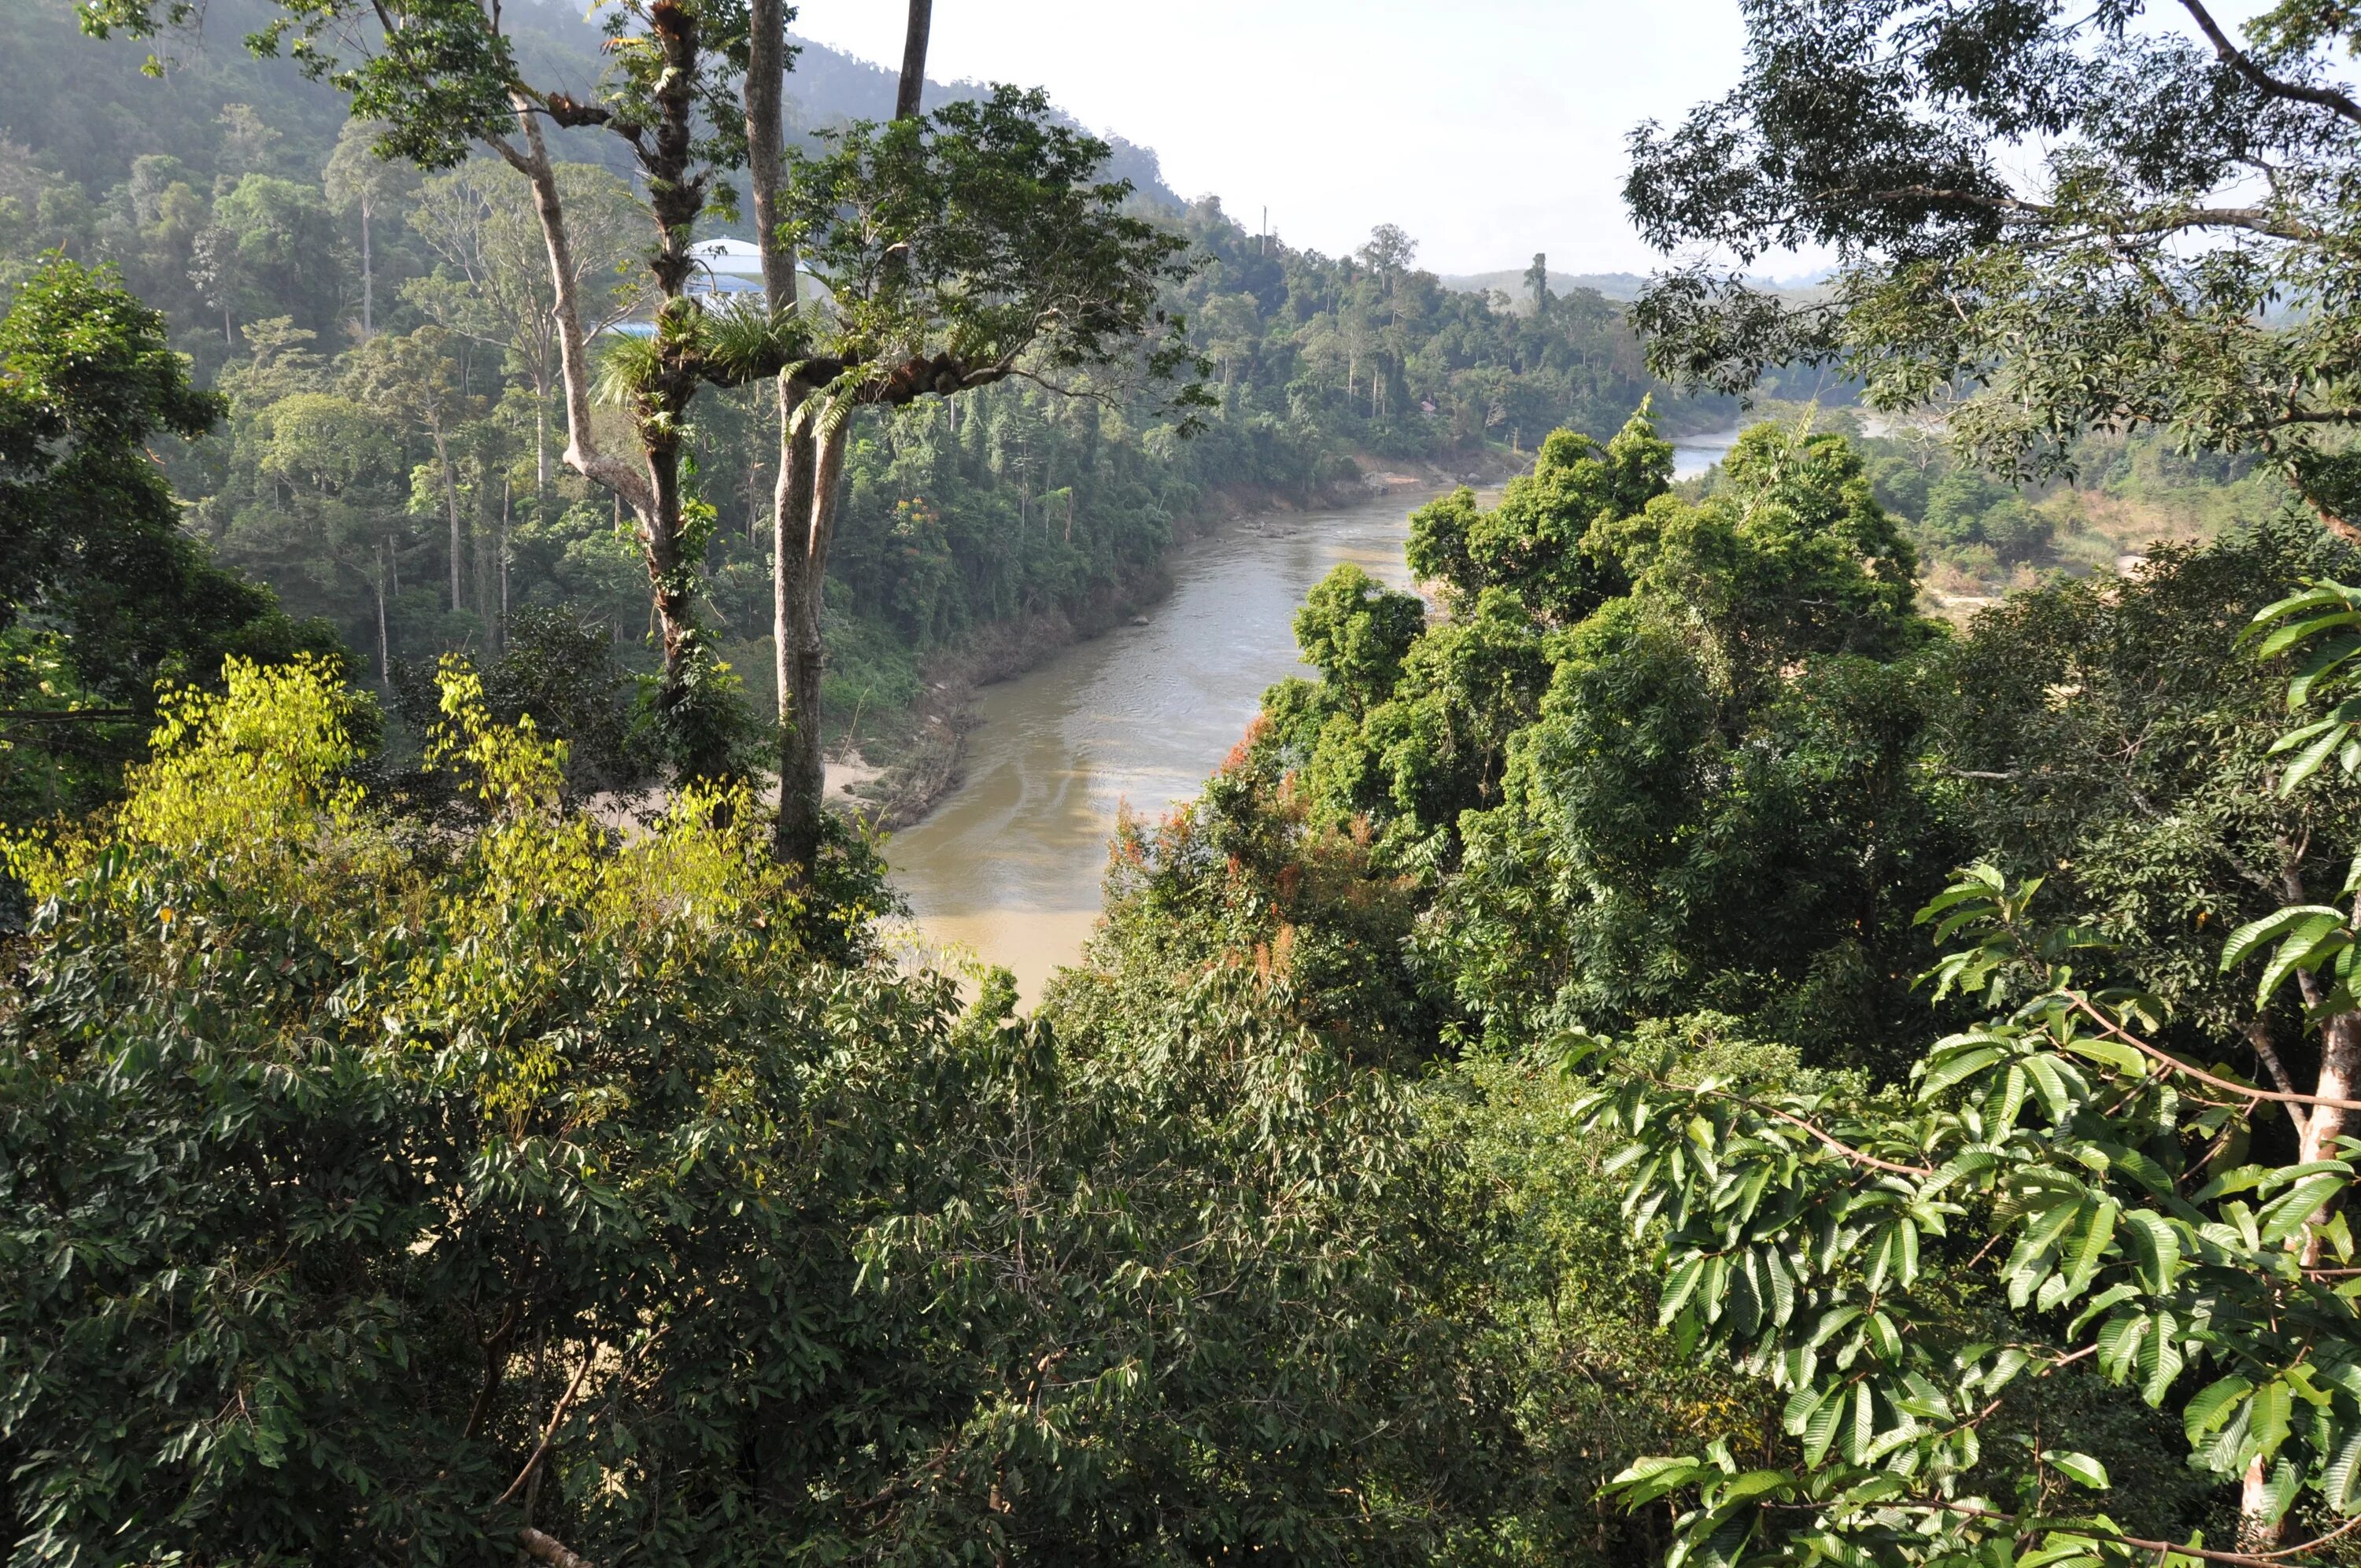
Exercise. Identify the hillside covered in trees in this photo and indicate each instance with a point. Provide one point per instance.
(383, 335)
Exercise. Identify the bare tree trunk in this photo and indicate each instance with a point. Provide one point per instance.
(368, 275)
(2257, 1531)
(803, 769)
(913, 61)
(811, 462)
(540, 450)
(483, 547)
(2319, 1129)
(384, 644)
(450, 505)
(766, 69)
(581, 453)
(796, 630)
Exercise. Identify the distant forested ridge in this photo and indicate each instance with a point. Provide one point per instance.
(387, 462)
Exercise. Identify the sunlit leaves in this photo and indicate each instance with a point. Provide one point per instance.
(2322, 626)
(2128, 272)
(2077, 1167)
(978, 240)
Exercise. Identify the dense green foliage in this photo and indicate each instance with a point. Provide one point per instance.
(1682, 773)
(376, 1195)
(1283, 1195)
(246, 219)
(101, 594)
(2131, 271)
(1502, 1121)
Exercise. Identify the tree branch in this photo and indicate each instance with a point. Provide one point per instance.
(2246, 1090)
(1856, 1156)
(2259, 1035)
(548, 1549)
(66, 715)
(2157, 222)
(2237, 60)
(549, 1432)
(2238, 1559)
(582, 453)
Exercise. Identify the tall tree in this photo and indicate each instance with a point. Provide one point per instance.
(101, 594)
(443, 74)
(959, 249)
(358, 182)
(412, 378)
(912, 88)
(493, 282)
(2178, 254)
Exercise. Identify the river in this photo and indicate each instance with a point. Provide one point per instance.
(1008, 867)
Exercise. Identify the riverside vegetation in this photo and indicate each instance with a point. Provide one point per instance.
(1664, 1051)
(390, 458)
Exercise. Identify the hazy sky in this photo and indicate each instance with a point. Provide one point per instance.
(1487, 128)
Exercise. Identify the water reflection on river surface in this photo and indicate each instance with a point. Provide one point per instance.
(1008, 866)
(1693, 454)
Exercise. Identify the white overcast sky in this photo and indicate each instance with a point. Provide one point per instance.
(1489, 130)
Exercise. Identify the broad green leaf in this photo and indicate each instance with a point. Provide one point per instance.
(2255, 933)
(2287, 1213)
(2287, 636)
(1948, 1071)
(2092, 1249)
(2268, 1427)
(2325, 661)
(2338, 1482)
(1753, 1484)
(2279, 1491)
(2159, 1359)
(2051, 1085)
(1678, 1289)
(2108, 1053)
(2307, 762)
(1800, 1408)
(2160, 1248)
(1781, 1284)
(2213, 1404)
(1820, 1432)
(2079, 1468)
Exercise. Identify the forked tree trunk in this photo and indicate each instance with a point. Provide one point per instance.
(811, 462)
(652, 490)
(581, 453)
(818, 453)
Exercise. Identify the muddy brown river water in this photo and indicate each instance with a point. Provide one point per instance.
(1008, 867)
